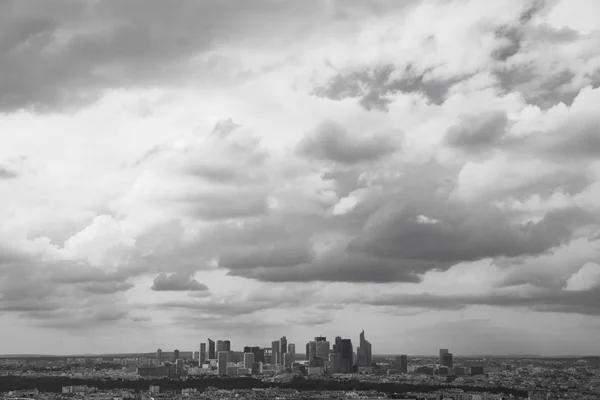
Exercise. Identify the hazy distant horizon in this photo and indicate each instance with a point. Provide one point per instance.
(427, 171)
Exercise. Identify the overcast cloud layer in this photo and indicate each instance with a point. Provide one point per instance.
(251, 169)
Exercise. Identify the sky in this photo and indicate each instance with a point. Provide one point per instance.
(428, 171)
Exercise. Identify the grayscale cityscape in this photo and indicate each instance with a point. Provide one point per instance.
(299, 199)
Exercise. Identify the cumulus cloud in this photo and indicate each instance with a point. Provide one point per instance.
(337, 167)
(177, 282)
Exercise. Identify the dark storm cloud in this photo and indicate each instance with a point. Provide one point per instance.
(584, 302)
(475, 132)
(330, 141)
(58, 54)
(463, 233)
(274, 255)
(374, 86)
(177, 282)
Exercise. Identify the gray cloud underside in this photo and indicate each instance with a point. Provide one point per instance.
(374, 86)
(330, 141)
(177, 282)
(491, 131)
(64, 54)
(579, 302)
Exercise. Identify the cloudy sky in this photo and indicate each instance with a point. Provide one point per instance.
(428, 171)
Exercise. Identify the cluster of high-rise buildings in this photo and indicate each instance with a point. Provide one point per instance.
(321, 356)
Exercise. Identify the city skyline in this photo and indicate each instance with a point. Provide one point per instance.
(254, 170)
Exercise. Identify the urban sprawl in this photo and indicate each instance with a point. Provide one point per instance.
(324, 370)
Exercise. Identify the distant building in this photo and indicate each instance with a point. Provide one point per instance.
(211, 349)
(334, 363)
(154, 389)
(346, 361)
(248, 360)
(176, 355)
(312, 350)
(337, 347)
(257, 368)
(322, 349)
(223, 345)
(442, 352)
(222, 359)
(448, 360)
(477, 370)
(292, 352)
(202, 356)
(283, 347)
(364, 352)
(275, 352)
(159, 356)
(402, 363)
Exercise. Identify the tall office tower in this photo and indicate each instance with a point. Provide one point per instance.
(312, 350)
(176, 355)
(292, 352)
(275, 357)
(283, 346)
(308, 351)
(346, 361)
(248, 360)
(211, 349)
(202, 356)
(320, 339)
(337, 347)
(159, 356)
(222, 360)
(223, 345)
(442, 352)
(364, 352)
(247, 349)
(402, 363)
(322, 350)
(334, 363)
(259, 354)
(287, 360)
(448, 360)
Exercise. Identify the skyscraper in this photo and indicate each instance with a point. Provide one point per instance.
(292, 352)
(322, 349)
(211, 349)
(176, 355)
(347, 356)
(222, 362)
(364, 352)
(283, 347)
(337, 347)
(159, 356)
(223, 345)
(402, 363)
(312, 350)
(275, 355)
(308, 351)
(202, 355)
(442, 352)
